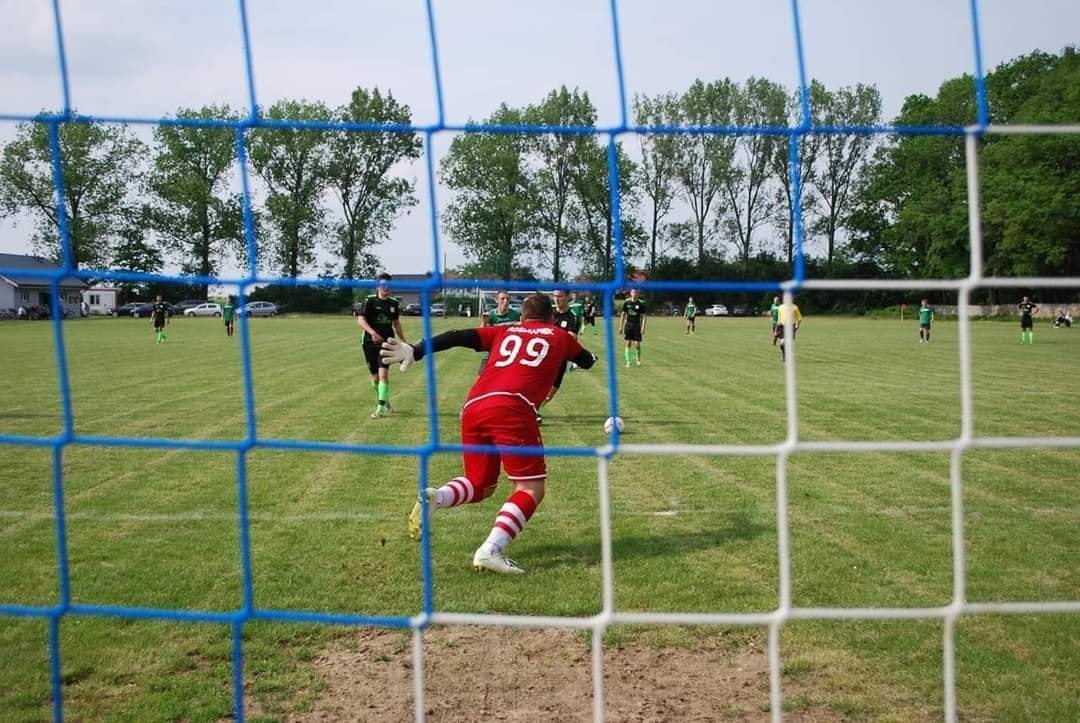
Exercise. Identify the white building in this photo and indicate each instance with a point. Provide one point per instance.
(101, 300)
(24, 282)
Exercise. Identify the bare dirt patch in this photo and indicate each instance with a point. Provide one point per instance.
(499, 674)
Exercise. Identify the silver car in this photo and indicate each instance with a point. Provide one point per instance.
(204, 310)
(259, 308)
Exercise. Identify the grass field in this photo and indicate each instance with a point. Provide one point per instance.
(151, 527)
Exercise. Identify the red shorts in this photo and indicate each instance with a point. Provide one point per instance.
(505, 422)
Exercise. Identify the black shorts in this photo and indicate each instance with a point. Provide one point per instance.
(371, 355)
(632, 332)
(590, 321)
(228, 323)
(924, 326)
(159, 323)
(1026, 322)
(779, 331)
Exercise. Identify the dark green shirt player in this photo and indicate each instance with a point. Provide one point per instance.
(1028, 309)
(380, 319)
(160, 318)
(632, 325)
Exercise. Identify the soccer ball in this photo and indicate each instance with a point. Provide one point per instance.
(613, 422)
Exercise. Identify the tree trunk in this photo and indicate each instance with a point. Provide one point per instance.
(790, 239)
(700, 241)
(832, 242)
(652, 250)
(555, 267)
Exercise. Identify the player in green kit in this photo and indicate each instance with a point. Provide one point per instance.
(926, 318)
(228, 313)
(380, 320)
(502, 314)
(160, 318)
(577, 307)
(590, 313)
(691, 315)
(1027, 322)
(774, 312)
(632, 326)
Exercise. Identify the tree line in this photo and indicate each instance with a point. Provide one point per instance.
(132, 207)
(692, 205)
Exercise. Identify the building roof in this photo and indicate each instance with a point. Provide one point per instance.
(19, 270)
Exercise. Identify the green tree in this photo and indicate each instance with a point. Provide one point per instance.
(784, 197)
(659, 157)
(842, 156)
(359, 173)
(748, 202)
(912, 212)
(910, 207)
(292, 164)
(552, 183)
(191, 207)
(489, 216)
(592, 185)
(132, 251)
(102, 172)
(1031, 217)
(704, 161)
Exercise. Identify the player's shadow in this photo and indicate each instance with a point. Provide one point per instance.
(730, 528)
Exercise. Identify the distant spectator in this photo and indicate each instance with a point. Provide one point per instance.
(84, 308)
(22, 313)
(1062, 318)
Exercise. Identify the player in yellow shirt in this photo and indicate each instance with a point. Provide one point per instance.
(787, 311)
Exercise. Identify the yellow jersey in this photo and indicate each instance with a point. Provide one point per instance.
(791, 310)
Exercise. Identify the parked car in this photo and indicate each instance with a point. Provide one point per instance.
(744, 311)
(716, 310)
(186, 304)
(438, 309)
(204, 310)
(143, 311)
(259, 308)
(127, 308)
(413, 310)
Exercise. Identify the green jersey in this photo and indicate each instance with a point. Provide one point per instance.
(774, 312)
(227, 312)
(494, 318)
(161, 312)
(381, 315)
(633, 310)
(577, 307)
(691, 311)
(926, 315)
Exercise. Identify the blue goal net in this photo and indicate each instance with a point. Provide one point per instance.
(246, 611)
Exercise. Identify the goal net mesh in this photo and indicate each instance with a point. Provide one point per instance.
(773, 620)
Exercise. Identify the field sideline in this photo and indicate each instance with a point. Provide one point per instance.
(691, 534)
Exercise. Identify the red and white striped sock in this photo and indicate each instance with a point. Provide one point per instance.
(511, 520)
(458, 491)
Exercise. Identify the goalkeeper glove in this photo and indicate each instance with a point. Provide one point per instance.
(396, 351)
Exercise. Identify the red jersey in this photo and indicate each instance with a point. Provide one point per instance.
(525, 360)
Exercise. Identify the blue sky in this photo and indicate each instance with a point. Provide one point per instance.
(144, 58)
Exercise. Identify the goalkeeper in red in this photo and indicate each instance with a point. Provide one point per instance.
(500, 411)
